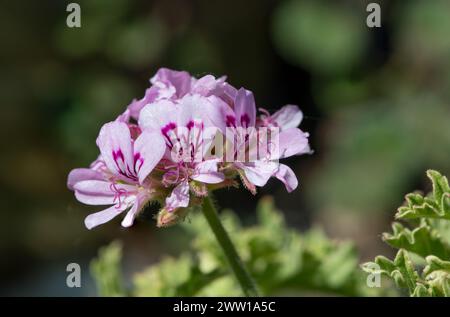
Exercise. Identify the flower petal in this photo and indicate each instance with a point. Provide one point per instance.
(229, 93)
(244, 108)
(95, 200)
(192, 108)
(94, 192)
(207, 172)
(291, 142)
(116, 148)
(288, 117)
(206, 85)
(180, 80)
(135, 107)
(101, 217)
(82, 174)
(259, 172)
(124, 117)
(139, 203)
(156, 115)
(98, 187)
(149, 148)
(287, 176)
(179, 197)
(216, 112)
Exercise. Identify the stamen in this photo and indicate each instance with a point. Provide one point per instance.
(119, 196)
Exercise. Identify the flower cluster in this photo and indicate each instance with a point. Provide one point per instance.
(184, 138)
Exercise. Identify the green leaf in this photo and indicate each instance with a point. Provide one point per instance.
(423, 240)
(440, 184)
(268, 216)
(435, 206)
(106, 270)
(420, 291)
(401, 270)
(339, 265)
(437, 274)
(279, 258)
(173, 277)
(430, 239)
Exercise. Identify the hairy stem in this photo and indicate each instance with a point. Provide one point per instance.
(245, 280)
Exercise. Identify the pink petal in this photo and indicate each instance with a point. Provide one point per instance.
(82, 174)
(149, 148)
(244, 108)
(151, 94)
(135, 108)
(287, 176)
(179, 197)
(216, 112)
(229, 93)
(207, 172)
(96, 187)
(204, 85)
(94, 192)
(291, 142)
(192, 108)
(180, 80)
(189, 109)
(124, 117)
(157, 115)
(259, 172)
(288, 117)
(101, 217)
(99, 164)
(93, 200)
(116, 148)
(139, 203)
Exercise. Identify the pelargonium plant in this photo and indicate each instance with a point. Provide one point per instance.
(184, 139)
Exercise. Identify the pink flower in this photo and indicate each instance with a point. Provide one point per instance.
(287, 117)
(119, 177)
(183, 127)
(287, 140)
(169, 84)
(185, 137)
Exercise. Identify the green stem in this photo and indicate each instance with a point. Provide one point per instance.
(245, 280)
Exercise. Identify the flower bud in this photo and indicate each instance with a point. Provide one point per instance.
(167, 218)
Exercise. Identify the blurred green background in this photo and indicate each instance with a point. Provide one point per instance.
(376, 103)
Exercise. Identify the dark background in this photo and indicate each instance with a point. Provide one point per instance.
(376, 104)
